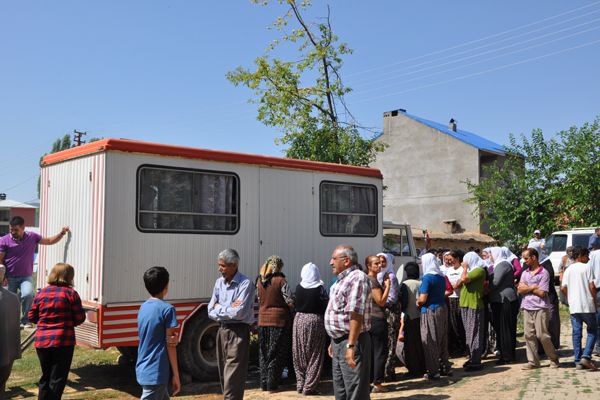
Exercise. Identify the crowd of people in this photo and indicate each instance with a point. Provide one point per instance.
(372, 318)
(376, 318)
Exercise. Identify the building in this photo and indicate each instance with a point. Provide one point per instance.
(11, 208)
(425, 167)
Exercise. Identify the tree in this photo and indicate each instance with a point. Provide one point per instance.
(544, 183)
(309, 115)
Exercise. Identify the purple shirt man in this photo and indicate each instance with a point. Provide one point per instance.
(541, 279)
(19, 253)
(534, 285)
(16, 252)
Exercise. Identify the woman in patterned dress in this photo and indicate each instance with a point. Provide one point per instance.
(309, 335)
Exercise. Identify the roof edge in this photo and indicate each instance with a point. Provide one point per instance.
(135, 146)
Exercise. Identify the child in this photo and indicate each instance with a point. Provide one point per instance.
(157, 322)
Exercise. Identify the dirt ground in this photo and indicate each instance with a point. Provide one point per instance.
(109, 380)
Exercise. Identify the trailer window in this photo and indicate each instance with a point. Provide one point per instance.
(348, 209)
(179, 201)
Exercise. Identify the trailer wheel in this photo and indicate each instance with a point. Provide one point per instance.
(129, 353)
(197, 350)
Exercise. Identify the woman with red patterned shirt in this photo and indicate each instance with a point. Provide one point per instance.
(57, 311)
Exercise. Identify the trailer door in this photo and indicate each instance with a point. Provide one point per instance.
(287, 202)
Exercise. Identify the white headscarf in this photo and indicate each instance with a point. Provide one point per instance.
(430, 265)
(488, 261)
(498, 255)
(473, 261)
(311, 276)
(389, 266)
(511, 255)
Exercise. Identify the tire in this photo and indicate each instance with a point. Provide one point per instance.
(197, 351)
(129, 352)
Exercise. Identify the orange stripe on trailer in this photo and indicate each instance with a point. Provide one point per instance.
(136, 146)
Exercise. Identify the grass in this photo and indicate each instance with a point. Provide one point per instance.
(26, 371)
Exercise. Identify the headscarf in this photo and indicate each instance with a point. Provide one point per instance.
(389, 261)
(311, 276)
(510, 255)
(389, 266)
(487, 261)
(473, 261)
(430, 265)
(271, 267)
(498, 255)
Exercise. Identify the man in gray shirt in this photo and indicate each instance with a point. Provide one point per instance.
(10, 337)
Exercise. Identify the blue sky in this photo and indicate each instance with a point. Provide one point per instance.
(155, 70)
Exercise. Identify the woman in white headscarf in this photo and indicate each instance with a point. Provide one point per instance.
(392, 312)
(515, 262)
(434, 318)
(308, 336)
(472, 307)
(504, 304)
(485, 256)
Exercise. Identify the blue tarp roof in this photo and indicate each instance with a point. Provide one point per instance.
(464, 136)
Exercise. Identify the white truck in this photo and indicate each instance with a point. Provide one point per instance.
(132, 205)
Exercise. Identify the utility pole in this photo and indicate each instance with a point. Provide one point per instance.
(77, 137)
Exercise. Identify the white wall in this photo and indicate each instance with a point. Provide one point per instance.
(71, 195)
(290, 229)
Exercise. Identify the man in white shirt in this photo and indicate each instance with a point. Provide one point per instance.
(578, 285)
(595, 265)
(537, 242)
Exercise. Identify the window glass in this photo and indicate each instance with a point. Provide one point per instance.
(557, 242)
(187, 200)
(581, 239)
(395, 241)
(4, 215)
(348, 210)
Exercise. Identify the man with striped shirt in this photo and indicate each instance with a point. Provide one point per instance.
(347, 321)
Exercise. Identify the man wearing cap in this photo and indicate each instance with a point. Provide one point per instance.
(537, 242)
(10, 337)
(16, 252)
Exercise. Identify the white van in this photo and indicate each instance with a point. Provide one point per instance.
(557, 243)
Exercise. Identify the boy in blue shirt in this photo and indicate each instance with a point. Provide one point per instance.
(157, 322)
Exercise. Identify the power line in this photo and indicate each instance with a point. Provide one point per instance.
(474, 41)
(455, 60)
(19, 184)
(485, 60)
(482, 72)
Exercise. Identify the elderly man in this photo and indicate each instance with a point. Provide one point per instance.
(347, 321)
(231, 305)
(16, 252)
(10, 346)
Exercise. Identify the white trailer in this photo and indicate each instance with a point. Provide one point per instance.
(132, 205)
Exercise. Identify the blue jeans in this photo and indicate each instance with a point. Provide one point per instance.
(25, 285)
(577, 321)
(598, 323)
(154, 392)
